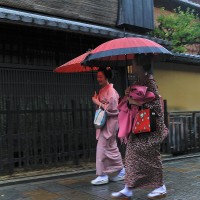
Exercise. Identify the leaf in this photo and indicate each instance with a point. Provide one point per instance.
(180, 27)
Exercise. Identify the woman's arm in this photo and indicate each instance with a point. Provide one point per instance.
(96, 101)
(155, 104)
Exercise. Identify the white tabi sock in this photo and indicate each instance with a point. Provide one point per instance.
(102, 177)
(127, 191)
(161, 189)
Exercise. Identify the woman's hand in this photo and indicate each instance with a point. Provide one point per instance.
(127, 91)
(95, 94)
(132, 101)
(95, 99)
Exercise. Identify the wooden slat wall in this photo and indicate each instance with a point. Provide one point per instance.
(45, 117)
(136, 14)
(34, 48)
(96, 11)
(184, 134)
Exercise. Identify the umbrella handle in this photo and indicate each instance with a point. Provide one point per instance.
(126, 71)
(93, 79)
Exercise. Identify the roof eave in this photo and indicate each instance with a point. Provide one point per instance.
(185, 58)
(8, 15)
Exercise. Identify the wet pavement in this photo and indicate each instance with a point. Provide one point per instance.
(182, 178)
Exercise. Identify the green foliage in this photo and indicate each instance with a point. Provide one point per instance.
(180, 27)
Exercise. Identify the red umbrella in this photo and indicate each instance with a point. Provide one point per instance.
(74, 66)
(120, 52)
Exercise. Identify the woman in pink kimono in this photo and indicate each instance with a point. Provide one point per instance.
(108, 157)
(143, 161)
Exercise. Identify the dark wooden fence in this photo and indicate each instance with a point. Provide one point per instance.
(184, 133)
(41, 122)
(46, 119)
(45, 134)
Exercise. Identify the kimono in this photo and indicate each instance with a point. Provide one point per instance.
(143, 160)
(108, 157)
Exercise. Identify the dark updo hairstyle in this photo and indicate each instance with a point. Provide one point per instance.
(107, 72)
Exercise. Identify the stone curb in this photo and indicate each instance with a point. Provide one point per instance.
(170, 159)
(47, 177)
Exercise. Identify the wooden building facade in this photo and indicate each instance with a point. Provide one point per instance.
(46, 118)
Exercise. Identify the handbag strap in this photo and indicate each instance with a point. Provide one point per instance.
(100, 107)
(142, 107)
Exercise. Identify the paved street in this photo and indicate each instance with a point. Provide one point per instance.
(182, 179)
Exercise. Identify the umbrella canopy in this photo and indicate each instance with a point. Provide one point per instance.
(74, 66)
(120, 52)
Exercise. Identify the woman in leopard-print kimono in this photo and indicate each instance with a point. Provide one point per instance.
(143, 161)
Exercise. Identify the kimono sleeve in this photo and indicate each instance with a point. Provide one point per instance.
(156, 103)
(111, 103)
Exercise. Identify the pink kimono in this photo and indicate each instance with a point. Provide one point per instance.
(126, 114)
(108, 157)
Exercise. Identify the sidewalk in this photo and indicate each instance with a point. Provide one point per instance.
(182, 178)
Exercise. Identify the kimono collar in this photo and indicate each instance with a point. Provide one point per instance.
(107, 86)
